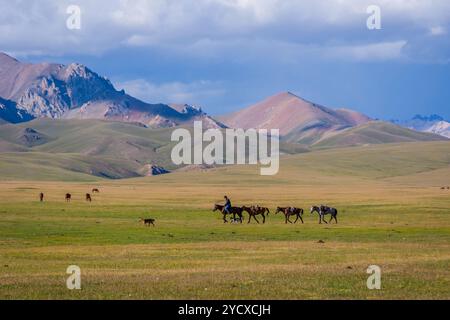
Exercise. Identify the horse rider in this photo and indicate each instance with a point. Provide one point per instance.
(227, 207)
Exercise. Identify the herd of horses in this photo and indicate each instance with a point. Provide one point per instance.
(288, 212)
(68, 196)
(238, 212)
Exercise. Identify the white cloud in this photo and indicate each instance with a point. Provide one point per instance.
(370, 52)
(172, 92)
(39, 25)
(437, 31)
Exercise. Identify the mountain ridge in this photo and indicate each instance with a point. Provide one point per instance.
(75, 91)
(433, 124)
(298, 119)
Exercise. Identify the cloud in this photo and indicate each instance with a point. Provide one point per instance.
(206, 26)
(371, 52)
(172, 92)
(437, 31)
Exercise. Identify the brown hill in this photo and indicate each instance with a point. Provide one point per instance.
(298, 120)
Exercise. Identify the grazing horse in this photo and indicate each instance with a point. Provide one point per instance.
(147, 222)
(233, 210)
(323, 211)
(41, 197)
(95, 190)
(253, 211)
(68, 197)
(291, 211)
(88, 197)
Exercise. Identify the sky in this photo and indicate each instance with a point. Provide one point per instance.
(223, 55)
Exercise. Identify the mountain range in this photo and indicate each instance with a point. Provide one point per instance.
(433, 124)
(76, 92)
(66, 119)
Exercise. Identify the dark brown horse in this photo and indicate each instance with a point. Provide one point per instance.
(254, 211)
(290, 211)
(41, 197)
(68, 197)
(233, 210)
(88, 197)
(147, 222)
(95, 190)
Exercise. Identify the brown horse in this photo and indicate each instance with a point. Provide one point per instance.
(147, 222)
(233, 210)
(254, 211)
(41, 197)
(95, 190)
(68, 197)
(88, 197)
(291, 211)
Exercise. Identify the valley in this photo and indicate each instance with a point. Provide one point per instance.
(392, 213)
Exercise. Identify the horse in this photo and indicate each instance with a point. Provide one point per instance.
(291, 211)
(323, 211)
(253, 211)
(88, 197)
(95, 190)
(233, 210)
(264, 209)
(147, 222)
(41, 197)
(68, 197)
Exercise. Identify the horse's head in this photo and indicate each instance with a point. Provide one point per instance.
(314, 208)
(279, 209)
(216, 207)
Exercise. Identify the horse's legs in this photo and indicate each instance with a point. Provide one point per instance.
(249, 218)
(296, 219)
(254, 217)
(331, 219)
(335, 218)
(288, 219)
(225, 218)
(323, 218)
(301, 219)
(320, 219)
(264, 218)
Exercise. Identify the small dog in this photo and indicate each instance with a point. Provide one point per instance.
(147, 222)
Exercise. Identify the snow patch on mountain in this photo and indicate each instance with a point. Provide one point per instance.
(433, 124)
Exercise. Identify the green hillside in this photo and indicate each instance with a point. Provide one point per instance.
(377, 132)
(86, 147)
(90, 149)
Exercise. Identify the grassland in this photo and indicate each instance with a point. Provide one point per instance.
(393, 213)
(85, 150)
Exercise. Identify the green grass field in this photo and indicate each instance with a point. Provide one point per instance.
(392, 213)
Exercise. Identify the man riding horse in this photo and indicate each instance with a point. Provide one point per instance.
(228, 209)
